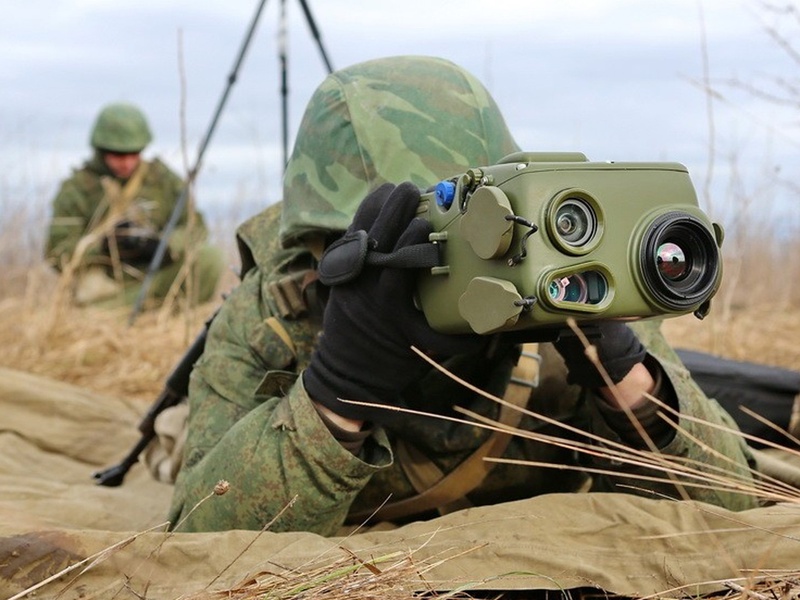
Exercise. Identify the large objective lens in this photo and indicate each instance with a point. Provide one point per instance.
(671, 261)
(680, 261)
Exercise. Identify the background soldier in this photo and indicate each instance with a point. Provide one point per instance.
(108, 219)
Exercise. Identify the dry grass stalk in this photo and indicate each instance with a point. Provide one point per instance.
(677, 471)
(253, 541)
(90, 347)
(690, 475)
(394, 576)
(88, 563)
(761, 585)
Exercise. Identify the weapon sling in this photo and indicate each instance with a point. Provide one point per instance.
(116, 201)
(448, 492)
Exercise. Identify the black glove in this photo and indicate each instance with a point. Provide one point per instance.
(618, 349)
(370, 320)
(135, 245)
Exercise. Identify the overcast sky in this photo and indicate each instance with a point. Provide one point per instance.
(615, 79)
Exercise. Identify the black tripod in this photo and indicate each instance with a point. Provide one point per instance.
(158, 256)
(284, 67)
(177, 384)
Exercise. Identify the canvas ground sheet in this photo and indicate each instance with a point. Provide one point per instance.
(52, 515)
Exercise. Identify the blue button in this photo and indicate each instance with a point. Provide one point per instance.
(445, 192)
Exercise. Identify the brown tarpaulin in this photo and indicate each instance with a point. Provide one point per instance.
(52, 515)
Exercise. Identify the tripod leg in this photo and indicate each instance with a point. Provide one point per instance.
(284, 84)
(315, 33)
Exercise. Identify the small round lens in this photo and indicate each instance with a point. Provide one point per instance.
(558, 289)
(576, 290)
(570, 225)
(671, 261)
(575, 222)
(569, 289)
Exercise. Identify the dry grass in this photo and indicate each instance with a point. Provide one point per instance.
(760, 333)
(395, 576)
(89, 347)
(96, 349)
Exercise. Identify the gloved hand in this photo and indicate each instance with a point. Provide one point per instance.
(370, 321)
(135, 245)
(618, 349)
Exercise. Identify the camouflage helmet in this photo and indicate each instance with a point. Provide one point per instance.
(121, 127)
(405, 118)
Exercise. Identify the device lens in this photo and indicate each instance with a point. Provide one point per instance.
(671, 261)
(575, 222)
(588, 287)
(569, 289)
(680, 261)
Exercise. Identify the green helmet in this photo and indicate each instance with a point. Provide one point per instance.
(406, 118)
(121, 128)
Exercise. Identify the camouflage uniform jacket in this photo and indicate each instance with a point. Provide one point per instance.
(253, 424)
(81, 203)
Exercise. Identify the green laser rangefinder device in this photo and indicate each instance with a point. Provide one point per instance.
(540, 237)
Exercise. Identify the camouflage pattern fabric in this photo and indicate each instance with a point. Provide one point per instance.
(251, 421)
(82, 202)
(430, 121)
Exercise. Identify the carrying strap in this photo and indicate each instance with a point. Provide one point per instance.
(277, 327)
(447, 493)
(118, 198)
(345, 258)
(120, 201)
(289, 293)
(295, 296)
